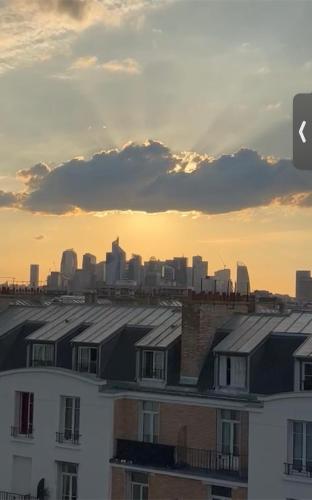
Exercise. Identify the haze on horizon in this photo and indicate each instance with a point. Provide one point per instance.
(166, 122)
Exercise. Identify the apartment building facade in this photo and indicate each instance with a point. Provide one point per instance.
(210, 402)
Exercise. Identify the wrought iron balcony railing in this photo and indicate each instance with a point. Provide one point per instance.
(156, 374)
(299, 468)
(6, 495)
(37, 363)
(179, 458)
(68, 437)
(22, 431)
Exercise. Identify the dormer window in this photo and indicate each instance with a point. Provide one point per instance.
(153, 365)
(87, 359)
(306, 379)
(42, 355)
(232, 372)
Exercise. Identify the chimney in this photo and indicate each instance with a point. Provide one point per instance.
(200, 320)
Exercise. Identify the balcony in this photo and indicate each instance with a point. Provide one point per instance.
(42, 363)
(6, 495)
(299, 468)
(180, 459)
(68, 437)
(24, 432)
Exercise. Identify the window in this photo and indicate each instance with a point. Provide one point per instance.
(229, 432)
(221, 493)
(306, 383)
(87, 359)
(42, 355)
(232, 372)
(138, 486)
(153, 365)
(68, 479)
(302, 446)
(24, 414)
(70, 420)
(149, 422)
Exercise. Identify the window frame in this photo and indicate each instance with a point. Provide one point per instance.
(142, 486)
(226, 372)
(234, 424)
(154, 368)
(303, 376)
(90, 362)
(153, 414)
(70, 433)
(45, 361)
(66, 474)
(24, 428)
(306, 465)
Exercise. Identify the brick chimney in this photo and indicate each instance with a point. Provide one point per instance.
(200, 320)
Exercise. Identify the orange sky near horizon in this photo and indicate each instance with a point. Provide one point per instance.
(272, 241)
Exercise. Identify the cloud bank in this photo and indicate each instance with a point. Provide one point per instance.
(150, 177)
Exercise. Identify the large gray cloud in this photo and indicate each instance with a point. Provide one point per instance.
(77, 9)
(150, 177)
(10, 200)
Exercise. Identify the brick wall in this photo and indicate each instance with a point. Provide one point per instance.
(239, 494)
(163, 487)
(126, 414)
(190, 426)
(199, 324)
(118, 484)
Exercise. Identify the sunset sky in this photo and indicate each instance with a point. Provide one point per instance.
(167, 123)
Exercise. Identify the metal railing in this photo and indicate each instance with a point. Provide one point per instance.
(157, 373)
(68, 437)
(21, 432)
(90, 367)
(181, 458)
(6, 495)
(41, 362)
(299, 468)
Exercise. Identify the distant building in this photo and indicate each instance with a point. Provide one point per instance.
(100, 271)
(180, 266)
(34, 275)
(223, 281)
(303, 286)
(152, 272)
(88, 262)
(54, 281)
(242, 280)
(115, 263)
(89, 269)
(199, 272)
(135, 270)
(209, 284)
(69, 263)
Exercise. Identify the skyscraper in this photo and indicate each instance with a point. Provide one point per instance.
(242, 279)
(223, 281)
(199, 272)
(135, 271)
(34, 275)
(303, 286)
(88, 262)
(115, 263)
(180, 266)
(68, 263)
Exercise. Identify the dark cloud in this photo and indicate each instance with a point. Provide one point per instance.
(9, 199)
(33, 176)
(76, 9)
(151, 178)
